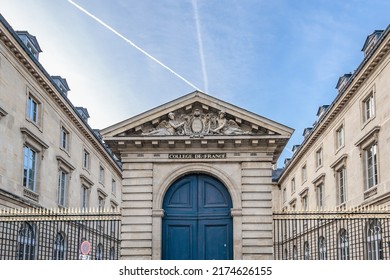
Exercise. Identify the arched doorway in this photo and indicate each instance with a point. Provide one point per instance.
(197, 224)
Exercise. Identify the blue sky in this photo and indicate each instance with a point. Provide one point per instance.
(277, 58)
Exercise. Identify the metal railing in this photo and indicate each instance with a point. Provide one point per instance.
(43, 234)
(355, 234)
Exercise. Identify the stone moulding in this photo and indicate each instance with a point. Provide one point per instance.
(196, 124)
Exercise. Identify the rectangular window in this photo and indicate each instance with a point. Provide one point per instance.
(101, 202)
(304, 173)
(113, 186)
(85, 159)
(320, 196)
(371, 167)
(64, 139)
(293, 185)
(340, 137)
(368, 108)
(319, 158)
(284, 195)
(62, 186)
(32, 109)
(84, 197)
(305, 202)
(101, 175)
(341, 184)
(29, 168)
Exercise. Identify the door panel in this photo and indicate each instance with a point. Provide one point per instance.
(197, 222)
(180, 240)
(216, 241)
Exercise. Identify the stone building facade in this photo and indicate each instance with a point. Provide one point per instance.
(343, 161)
(195, 177)
(197, 174)
(49, 155)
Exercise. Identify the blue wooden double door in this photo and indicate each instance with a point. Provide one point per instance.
(197, 224)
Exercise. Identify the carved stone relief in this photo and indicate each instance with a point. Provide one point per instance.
(197, 124)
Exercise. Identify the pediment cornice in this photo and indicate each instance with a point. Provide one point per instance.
(196, 115)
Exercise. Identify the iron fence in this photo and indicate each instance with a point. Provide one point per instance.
(356, 234)
(62, 234)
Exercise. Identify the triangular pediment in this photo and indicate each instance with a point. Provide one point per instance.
(196, 115)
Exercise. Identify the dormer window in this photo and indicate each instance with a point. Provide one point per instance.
(321, 111)
(342, 82)
(83, 112)
(306, 132)
(295, 148)
(30, 42)
(371, 41)
(62, 84)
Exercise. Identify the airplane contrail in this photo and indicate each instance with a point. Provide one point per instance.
(132, 44)
(200, 44)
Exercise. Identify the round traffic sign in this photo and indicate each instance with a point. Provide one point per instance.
(85, 247)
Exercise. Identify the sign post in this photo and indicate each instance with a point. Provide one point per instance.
(85, 249)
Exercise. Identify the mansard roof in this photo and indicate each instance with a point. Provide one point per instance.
(13, 42)
(354, 83)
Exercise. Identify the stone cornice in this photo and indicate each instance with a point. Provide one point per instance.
(187, 103)
(272, 145)
(36, 70)
(365, 69)
(25, 131)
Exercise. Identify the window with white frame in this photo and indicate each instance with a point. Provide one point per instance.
(305, 202)
(29, 168)
(113, 186)
(86, 159)
(322, 253)
(33, 109)
(304, 173)
(344, 245)
(59, 246)
(340, 176)
(368, 108)
(101, 202)
(62, 187)
(26, 242)
(64, 139)
(340, 137)
(101, 174)
(292, 185)
(371, 165)
(374, 240)
(320, 195)
(319, 158)
(84, 197)
(114, 205)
